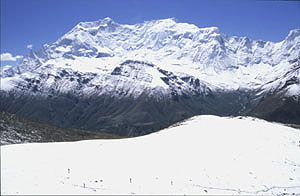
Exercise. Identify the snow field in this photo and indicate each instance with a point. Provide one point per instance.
(204, 155)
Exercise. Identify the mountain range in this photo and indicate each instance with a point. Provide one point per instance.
(136, 79)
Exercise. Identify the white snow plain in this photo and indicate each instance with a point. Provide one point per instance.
(203, 155)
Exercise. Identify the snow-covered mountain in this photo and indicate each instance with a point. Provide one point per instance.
(205, 155)
(159, 59)
(157, 56)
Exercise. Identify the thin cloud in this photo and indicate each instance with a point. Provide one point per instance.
(9, 57)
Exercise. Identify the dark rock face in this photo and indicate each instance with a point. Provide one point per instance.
(278, 108)
(129, 116)
(122, 116)
(16, 129)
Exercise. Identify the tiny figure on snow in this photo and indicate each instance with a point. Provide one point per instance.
(130, 180)
(68, 170)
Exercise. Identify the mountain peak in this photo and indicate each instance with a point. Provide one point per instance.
(210, 30)
(95, 24)
(106, 20)
(168, 20)
(161, 22)
(293, 34)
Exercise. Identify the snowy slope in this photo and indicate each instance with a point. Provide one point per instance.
(179, 53)
(203, 155)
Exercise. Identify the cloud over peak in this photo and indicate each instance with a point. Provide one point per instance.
(9, 57)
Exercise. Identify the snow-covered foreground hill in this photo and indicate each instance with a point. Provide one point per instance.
(203, 155)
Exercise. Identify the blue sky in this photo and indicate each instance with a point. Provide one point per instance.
(36, 22)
